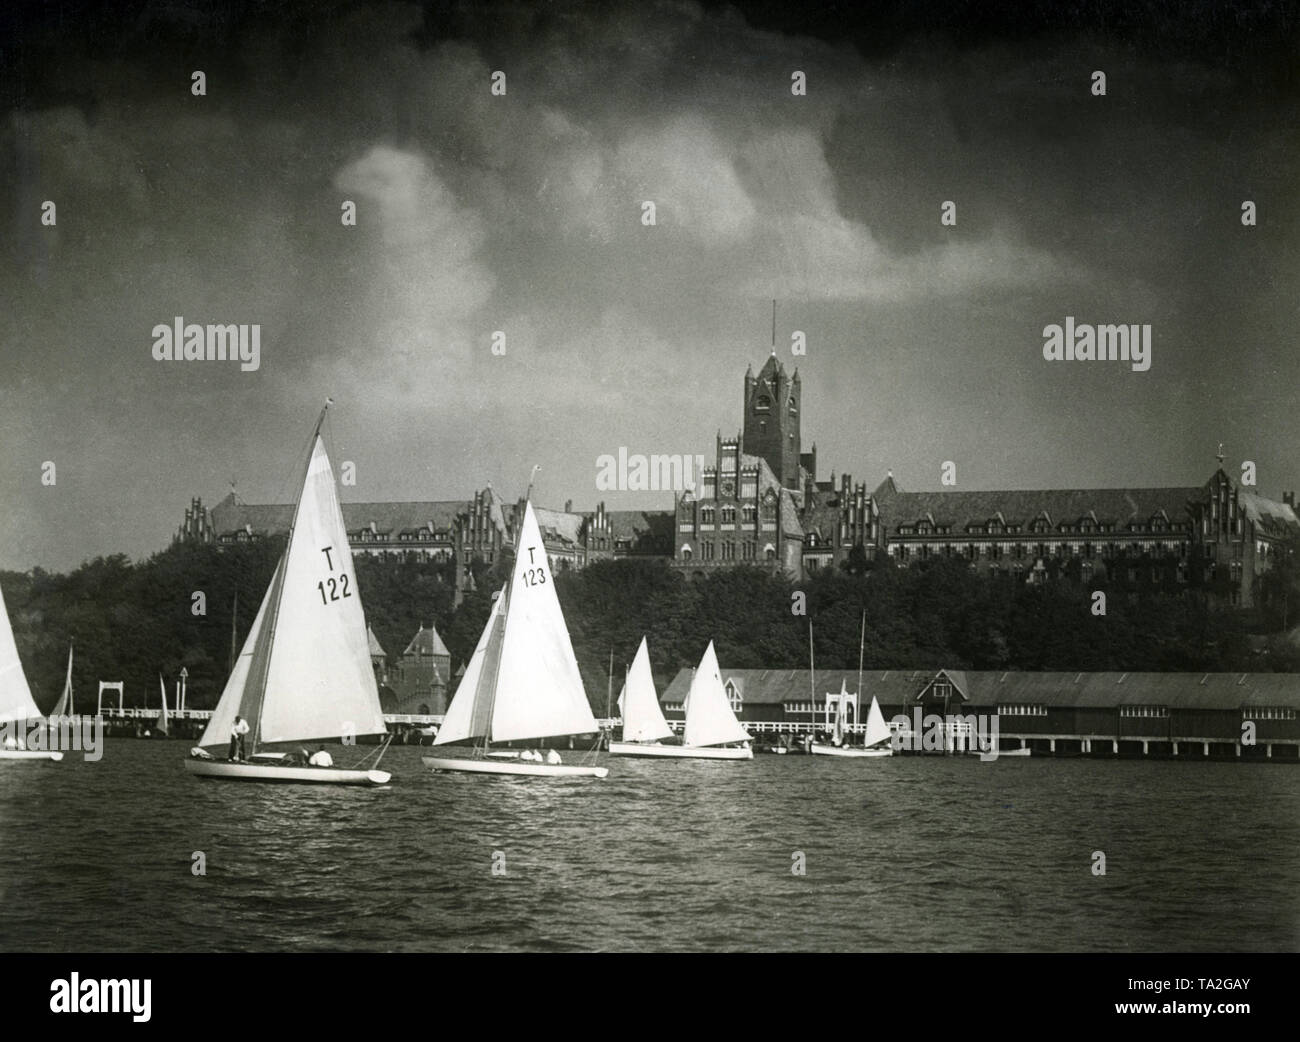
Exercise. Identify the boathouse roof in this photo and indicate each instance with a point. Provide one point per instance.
(1002, 687)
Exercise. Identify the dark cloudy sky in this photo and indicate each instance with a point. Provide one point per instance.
(522, 214)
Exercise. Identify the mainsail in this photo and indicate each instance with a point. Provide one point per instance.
(470, 712)
(877, 729)
(308, 672)
(63, 707)
(538, 690)
(643, 719)
(16, 702)
(709, 719)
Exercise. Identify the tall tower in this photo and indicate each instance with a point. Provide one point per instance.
(772, 402)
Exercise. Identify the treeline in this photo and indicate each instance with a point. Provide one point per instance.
(134, 621)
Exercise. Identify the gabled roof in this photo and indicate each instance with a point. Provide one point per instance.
(232, 515)
(426, 642)
(1272, 517)
(376, 649)
(559, 525)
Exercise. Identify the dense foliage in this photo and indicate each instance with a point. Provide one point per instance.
(134, 621)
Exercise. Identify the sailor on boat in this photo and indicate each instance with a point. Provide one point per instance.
(237, 732)
(320, 758)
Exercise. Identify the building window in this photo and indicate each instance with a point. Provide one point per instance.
(749, 513)
(1268, 713)
(763, 404)
(1144, 711)
(1022, 709)
(706, 515)
(728, 515)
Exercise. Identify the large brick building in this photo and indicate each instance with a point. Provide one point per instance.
(758, 503)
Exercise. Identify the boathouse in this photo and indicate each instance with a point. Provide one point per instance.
(1201, 715)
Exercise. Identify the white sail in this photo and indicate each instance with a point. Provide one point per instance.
(470, 712)
(163, 722)
(16, 702)
(877, 729)
(319, 682)
(231, 703)
(538, 689)
(837, 735)
(643, 719)
(709, 719)
(63, 707)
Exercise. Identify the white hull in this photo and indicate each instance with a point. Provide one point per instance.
(29, 754)
(499, 766)
(818, 749)
(681, 752)
(272, 773)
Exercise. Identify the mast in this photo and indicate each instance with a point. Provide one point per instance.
(609, 697)
(862, 640)
(812, 687)
(505, 610)
(609, 688)
(275, 608)
(234, 643)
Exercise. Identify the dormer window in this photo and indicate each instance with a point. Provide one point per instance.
(763, 404)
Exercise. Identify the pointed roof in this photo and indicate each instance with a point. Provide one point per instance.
(376, 649)
(426, 642)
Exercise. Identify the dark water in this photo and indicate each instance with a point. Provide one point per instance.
(907, 853)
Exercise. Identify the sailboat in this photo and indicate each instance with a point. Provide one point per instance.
(304, 671)
(877, 733)
(710, 723)
(522, 682)
(163, 725)
(63, 707)
(17, 707)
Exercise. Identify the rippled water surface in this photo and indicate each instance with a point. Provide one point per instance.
(907, 853)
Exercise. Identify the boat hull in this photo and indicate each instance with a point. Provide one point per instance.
(267, 772)
(679, 752)
(29, 754)
(819, 749)
(517, 767)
